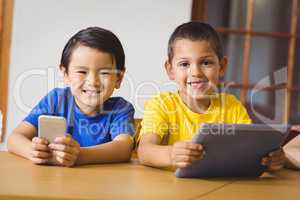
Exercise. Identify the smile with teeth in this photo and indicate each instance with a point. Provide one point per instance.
(198, 84)
(92, 92)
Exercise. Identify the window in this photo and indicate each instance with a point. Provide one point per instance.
(261, 39)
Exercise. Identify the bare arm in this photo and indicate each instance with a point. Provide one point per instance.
(292, 151)
(181, 154)
(19, 141)
(67, 151)
(22, 141)
(152, 154)
(118, 150)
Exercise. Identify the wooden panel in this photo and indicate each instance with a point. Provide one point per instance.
(199, 10)
(2, 107)
(291, 60)
(246, 50)
(257, 87)
(254, 33)
(6, 15)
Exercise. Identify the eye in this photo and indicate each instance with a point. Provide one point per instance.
(184, 64)
(81, 72)
(105, 73)
(207, 62)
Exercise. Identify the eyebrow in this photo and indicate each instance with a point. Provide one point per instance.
(101, 68)
(185, 58)
(105, 68)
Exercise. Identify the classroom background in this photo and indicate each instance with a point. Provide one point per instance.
(261, 39)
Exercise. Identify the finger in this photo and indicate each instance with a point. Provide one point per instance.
(64, 155)
(280, 158)
(67, 140)
(39, 160)
(40, 154)
(188, 145)
(64, 162)
(188, 152)
(40, 140)
(188, 159)
(275, 168)
(276, 164)
(39, 147)
(274, 154)
(63, 148)
(265, 161)
(277, 152)
(182, 164)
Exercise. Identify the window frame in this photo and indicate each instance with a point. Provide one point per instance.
(199, 13)
(6, 18)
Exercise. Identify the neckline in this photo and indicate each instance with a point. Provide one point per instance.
(209, 110)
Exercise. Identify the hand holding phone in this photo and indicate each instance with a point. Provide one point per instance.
(51, 127)
(65, 150)
(40, 153)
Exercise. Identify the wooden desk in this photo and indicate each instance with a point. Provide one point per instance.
(285, 185)
(19, 178)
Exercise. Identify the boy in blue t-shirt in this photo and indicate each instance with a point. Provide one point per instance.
(99, 127)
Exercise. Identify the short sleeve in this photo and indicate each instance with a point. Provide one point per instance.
(241, 114)
(155, 118)
(122, 120)
(44, 107)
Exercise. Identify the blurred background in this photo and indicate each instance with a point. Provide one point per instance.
(261, 39)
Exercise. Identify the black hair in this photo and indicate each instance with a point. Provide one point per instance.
(98, 38)
(196, 31)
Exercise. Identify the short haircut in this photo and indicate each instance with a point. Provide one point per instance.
(98, 38)
(196, 31)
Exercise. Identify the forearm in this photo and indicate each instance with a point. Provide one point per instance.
(19, 144)
(114, 151)
(292, 153)
(292, 157)
(155, 155)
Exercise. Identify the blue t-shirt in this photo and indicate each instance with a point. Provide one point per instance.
(115, 117)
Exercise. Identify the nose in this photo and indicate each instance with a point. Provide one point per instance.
(196, 70)
(93, 78)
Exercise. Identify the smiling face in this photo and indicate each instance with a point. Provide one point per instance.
(195, 68)
(92, 77)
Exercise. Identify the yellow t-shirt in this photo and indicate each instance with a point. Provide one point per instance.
(167, 114)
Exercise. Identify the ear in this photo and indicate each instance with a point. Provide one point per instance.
(120, 77)
(223, 65)
(169, 70)
(64, 74)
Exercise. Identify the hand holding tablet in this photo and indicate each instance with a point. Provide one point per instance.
(234, 150)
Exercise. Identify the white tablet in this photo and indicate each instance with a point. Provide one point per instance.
(234, 150)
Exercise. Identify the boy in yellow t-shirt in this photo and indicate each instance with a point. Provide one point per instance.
(195, 62)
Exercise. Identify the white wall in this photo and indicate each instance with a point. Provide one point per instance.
(41, 29)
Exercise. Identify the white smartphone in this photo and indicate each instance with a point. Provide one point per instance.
(51, 127)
